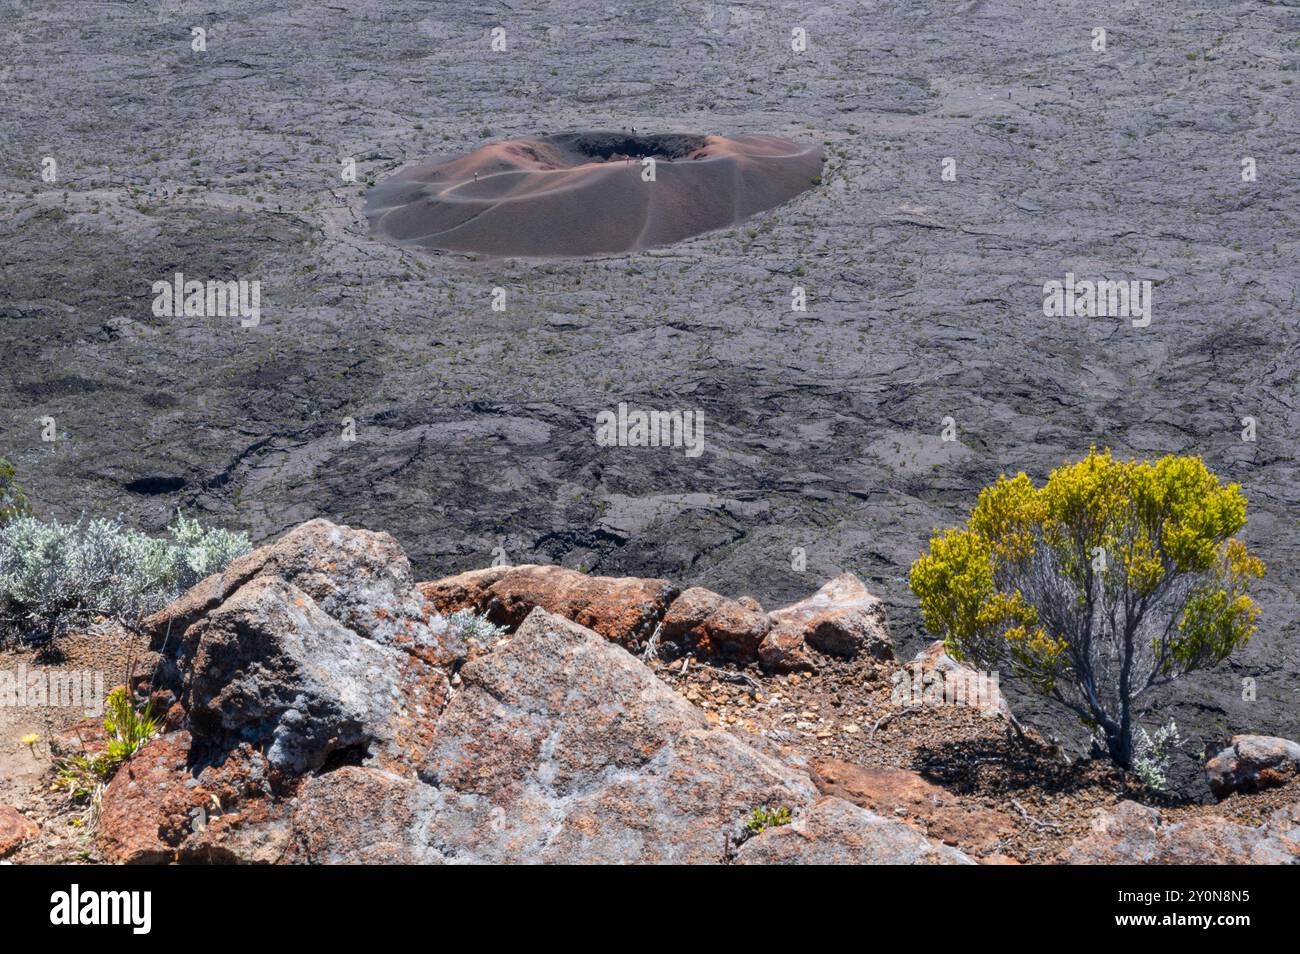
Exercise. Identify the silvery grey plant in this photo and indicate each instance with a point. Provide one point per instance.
(54, 574)
(467, 625)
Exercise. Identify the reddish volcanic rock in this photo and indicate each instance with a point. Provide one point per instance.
(464, 591)
(840, 619)
(145, 813)
(711, 625)
(15, 830)
(623, 609)
(783, 650)
(934, 810)
(157, 810)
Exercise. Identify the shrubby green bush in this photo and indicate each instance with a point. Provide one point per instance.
(126, 730)
(54, 574)
(1109, 581)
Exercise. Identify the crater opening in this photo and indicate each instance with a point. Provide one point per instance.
(569, 195)
(605, 147)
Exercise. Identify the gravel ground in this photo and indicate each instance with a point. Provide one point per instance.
(474, 428)
(26, 772)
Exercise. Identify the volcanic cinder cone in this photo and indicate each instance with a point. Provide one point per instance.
(584, 193)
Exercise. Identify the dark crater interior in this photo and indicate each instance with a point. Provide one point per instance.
(604, 146)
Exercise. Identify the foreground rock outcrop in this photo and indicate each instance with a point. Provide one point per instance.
(834, 832)
(561, 748)
(842, 619)
(328, 712)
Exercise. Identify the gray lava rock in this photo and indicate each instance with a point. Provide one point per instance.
(269, 666)
(561, 748)
(359, 578)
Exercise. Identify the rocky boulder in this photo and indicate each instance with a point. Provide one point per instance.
(560, 748)
(359, 578)
(1252, 762)
(464, 591)
(308, 647)
(623, 609)
(270, 668)
(935, 675)
(361, 815)
(702, 622)
(784, 651)
(160, 807)
(840, 619)
(1133, 834)
(145, 813)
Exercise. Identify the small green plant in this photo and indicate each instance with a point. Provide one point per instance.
(126, 730)
(763, 818)
(127, 727)
(82, 776)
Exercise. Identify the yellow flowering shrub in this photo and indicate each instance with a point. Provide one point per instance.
(1112, 577)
